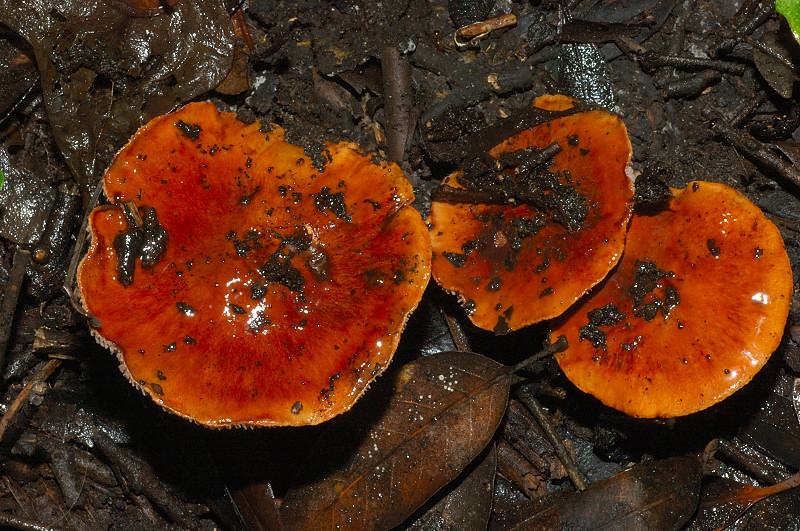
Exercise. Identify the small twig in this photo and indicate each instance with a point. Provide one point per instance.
(744, 111)
(789, 483)
(552, 435)
(450, 194)
(653, 60)
(559, 346)
(522, 160)
(466, 146)
(470, 34)
(512, 465)
(241, 24)
(758, 45)
(397, 95)
(758, 17)
(759, 151)
(523, 433)
(22, 397)
(742, 30)
(756, 494)
(141, 477)
(540, 156)
(761, 467)
(10, 299)
(692, 85)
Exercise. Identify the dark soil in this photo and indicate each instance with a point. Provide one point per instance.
(706, 90)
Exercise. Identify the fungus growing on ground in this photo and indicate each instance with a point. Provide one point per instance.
(241, 285)
(694, 309)
(520, 236)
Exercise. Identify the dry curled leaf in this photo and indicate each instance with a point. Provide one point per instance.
(386, 460)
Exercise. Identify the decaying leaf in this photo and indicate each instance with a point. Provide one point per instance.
(724, 501)
(387, 459)
(25, 203)
(658, 495)
(121, 70)
(775, 431)
(776, 66)
(143, 8)
(781, 511)
(257, 506)
(17, 74)
(468, 504)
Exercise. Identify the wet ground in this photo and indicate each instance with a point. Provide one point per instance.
(705, 89)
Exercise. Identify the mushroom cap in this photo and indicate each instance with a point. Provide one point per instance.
(507, 280)
(283, 289)
(712, 275)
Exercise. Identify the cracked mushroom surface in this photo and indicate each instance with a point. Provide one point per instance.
(694, 309)
(520, 242)
(241, 285)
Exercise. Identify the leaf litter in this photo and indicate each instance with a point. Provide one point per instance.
(382, 463)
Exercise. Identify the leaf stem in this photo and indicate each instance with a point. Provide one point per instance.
(563, 454)
(559, 346)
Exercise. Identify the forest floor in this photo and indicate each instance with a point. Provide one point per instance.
(706, 91)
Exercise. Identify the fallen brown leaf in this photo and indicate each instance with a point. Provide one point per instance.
(659, 495)
(724, 501)
(464, 504)
(375, 472)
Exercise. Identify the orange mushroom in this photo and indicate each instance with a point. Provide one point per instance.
(694, 309)
(554, 230)
(241, 285)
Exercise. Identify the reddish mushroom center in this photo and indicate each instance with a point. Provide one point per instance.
(241, 284)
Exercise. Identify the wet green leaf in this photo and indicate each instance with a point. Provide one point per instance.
(791, 10)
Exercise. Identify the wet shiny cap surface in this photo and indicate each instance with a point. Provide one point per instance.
(692, 312)
(241, 285)
(520, 263)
